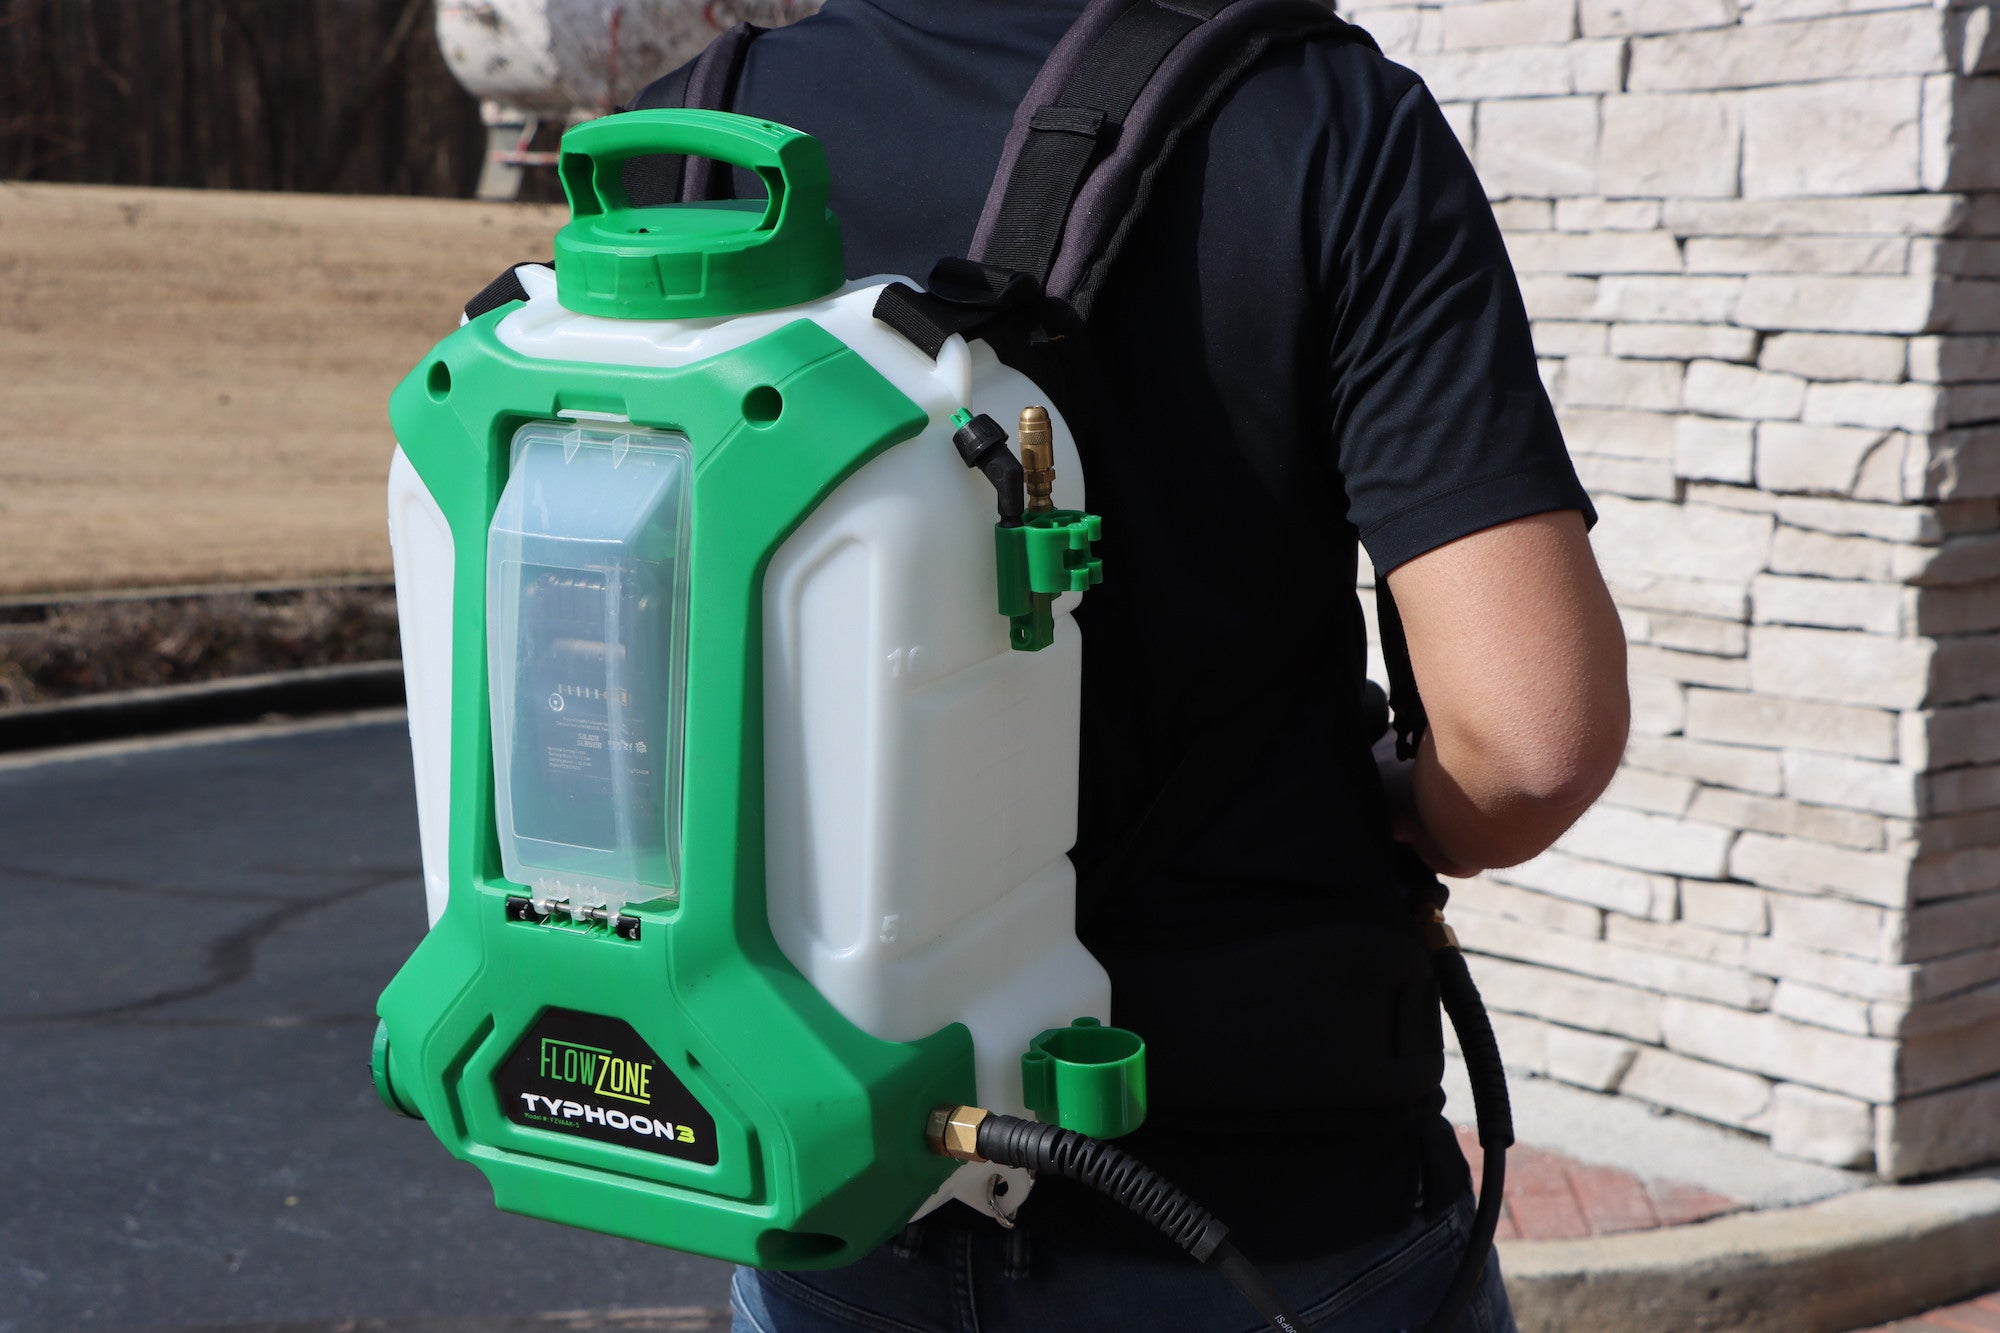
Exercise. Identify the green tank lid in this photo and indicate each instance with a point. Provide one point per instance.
(694, 260)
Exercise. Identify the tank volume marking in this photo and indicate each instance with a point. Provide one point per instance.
(906, 661)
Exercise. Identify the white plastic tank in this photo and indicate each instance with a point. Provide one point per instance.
(920, 773)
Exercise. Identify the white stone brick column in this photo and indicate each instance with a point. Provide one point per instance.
(1761, 243)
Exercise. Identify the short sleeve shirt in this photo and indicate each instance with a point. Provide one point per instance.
(1316, 344)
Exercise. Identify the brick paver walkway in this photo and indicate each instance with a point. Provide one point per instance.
(1976, 1316)
(1552, 1197)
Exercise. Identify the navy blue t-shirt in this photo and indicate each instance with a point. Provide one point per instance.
(1313, 340)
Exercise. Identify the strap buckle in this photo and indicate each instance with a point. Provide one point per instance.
(965, 297)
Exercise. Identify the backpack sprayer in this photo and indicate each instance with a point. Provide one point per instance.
(746, 745)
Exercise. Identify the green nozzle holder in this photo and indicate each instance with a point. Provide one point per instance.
(1046, 555)
(1087, 1077)
(1057, 547)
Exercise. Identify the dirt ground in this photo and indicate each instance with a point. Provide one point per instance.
(194, 384)
(105, 645)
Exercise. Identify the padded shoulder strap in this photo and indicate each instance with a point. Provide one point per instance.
(711, 86)
(706, 83)
(1107, 111)
(1108, 108)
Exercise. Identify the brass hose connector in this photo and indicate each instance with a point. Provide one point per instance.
(954, 1132)
(1438, 933)
(1038, 458)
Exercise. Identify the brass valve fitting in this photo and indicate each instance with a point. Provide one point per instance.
(1038, 458)
(1438, 933)
(954, 1132)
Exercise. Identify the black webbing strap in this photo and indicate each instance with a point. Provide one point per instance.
(1404, 702)
(1065, 138)
(964, 298)
(507, 287)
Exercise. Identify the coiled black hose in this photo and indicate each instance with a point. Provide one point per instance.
(1111, 1171)
(1495, 1114)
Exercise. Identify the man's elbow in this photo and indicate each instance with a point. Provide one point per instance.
(1551, 744)
(1569, 771)
(1547, 780)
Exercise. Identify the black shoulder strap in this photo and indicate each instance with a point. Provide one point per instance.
(711, 86)
(1112, 102)
(1109, 107)
(1404, 702)
(1105, 112)
(706, 83)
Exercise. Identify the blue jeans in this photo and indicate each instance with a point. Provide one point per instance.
(961, 1280)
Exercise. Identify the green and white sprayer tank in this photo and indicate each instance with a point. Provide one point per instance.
(743, 813)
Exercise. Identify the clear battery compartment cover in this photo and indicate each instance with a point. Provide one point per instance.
(586, 594)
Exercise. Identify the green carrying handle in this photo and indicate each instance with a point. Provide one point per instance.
(698, 259)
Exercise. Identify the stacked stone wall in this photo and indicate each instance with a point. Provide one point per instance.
(1761, 246)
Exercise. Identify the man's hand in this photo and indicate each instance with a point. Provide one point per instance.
(1520, 658)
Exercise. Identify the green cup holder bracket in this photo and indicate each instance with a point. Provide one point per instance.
(1087, 1077)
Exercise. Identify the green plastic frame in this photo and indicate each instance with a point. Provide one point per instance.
(820, 1126)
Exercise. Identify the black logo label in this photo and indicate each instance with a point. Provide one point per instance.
(592, 1076)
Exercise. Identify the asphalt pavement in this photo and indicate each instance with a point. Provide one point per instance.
(193, 938)
(195, 932)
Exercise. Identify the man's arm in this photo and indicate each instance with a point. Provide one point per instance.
(1520, 658)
